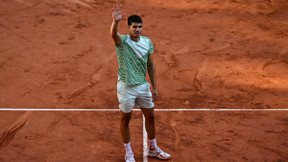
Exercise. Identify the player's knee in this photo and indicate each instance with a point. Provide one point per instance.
(125, 118)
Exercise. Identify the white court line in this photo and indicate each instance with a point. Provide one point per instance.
(200, 109)
(145, 142)
(45, 109)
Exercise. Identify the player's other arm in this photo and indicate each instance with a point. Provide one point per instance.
(117, 17)
(151, 73)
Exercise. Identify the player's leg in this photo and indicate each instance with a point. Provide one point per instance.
(126, 104)
(124, 126)
(145, 103)
(149, 122)
(154, 150)
(125, 135)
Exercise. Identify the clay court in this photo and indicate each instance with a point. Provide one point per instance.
(221, 68)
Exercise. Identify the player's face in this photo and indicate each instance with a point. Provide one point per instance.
(135, 29)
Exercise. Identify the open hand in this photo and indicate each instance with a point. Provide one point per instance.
(116, 12)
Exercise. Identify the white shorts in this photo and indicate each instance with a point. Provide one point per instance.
(129, 95)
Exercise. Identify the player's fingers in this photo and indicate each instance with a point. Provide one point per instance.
(114, 8)
(154, 99)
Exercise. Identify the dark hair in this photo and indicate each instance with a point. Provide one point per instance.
(134, 18)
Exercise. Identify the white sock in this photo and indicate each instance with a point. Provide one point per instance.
(128, 147)
(152, 144)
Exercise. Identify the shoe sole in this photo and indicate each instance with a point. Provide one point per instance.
(152, 156)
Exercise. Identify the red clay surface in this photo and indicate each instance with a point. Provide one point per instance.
(208, 54)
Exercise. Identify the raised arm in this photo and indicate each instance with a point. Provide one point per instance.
(117, 16)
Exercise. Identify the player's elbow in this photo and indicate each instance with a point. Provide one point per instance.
(112, 34)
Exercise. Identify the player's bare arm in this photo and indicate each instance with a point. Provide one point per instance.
(151, 73)
(117, 16)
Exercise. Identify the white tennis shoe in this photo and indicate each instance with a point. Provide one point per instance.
(129, 157)
(158, 153)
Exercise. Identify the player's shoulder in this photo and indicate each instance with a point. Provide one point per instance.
(145, 38)
(123, 40)
(124, 37)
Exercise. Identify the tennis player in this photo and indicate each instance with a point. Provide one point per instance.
(134, 54)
